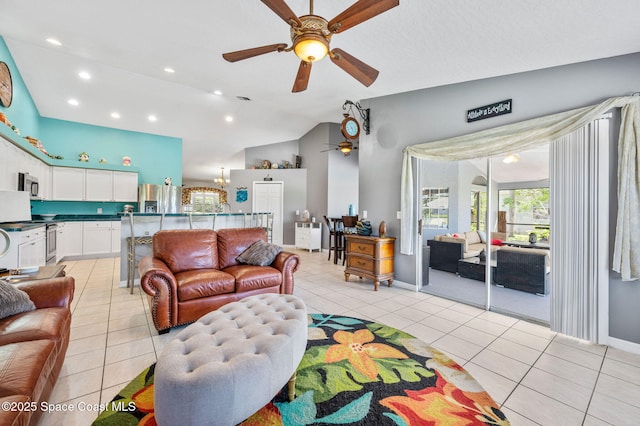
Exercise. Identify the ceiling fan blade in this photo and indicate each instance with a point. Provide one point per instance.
(250, 53)
(359, 12)
(354, 67)
(283, 10)
(302, 79)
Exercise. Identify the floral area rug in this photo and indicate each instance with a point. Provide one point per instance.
(353, 372)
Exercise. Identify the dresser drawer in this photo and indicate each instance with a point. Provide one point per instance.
(359, 247)
(363, 263)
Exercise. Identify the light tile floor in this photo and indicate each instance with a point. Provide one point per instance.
(538, 377)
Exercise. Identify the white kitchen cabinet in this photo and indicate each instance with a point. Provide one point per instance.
(32, 247)
(61, 241)
(125, 186)
(115, 236)
(68, 184)
(75, 184)
(98, 185)
(73, 239)
(308, 235)
(96, 237)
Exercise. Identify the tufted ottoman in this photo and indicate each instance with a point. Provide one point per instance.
(231, 362)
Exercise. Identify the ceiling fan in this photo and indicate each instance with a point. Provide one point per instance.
(345, 147)
(311, 35)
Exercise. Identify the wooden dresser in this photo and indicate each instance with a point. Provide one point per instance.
(370, 257)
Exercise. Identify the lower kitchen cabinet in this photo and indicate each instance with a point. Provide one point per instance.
(99, 237)
(72, 245)
(32, 250)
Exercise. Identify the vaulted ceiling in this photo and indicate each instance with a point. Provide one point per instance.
(125, 46)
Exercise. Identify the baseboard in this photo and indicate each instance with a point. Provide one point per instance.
(624, 345)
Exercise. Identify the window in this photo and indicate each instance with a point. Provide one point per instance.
(478, 210)
(527, 211)
(435, 207)
(204, 202)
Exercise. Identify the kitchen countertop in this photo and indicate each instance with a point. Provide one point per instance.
(39, 222)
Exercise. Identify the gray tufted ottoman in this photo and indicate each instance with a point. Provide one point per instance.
(231, 362)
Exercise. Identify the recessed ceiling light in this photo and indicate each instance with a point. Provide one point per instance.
(169, 70)
(54, 41)
(115, 115)
(84, 75)
(152, 118)
(73, 102)
(228, 118)
(217, 92)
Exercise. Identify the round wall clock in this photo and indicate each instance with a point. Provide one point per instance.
(350, 128)
(6, 85)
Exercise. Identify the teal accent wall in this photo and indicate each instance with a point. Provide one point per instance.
(155, 157)
(22, 112)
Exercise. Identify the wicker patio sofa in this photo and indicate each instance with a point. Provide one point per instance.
(524, 269)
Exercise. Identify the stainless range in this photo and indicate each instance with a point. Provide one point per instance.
(52, 243)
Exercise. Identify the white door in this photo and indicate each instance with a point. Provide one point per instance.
(269, 197)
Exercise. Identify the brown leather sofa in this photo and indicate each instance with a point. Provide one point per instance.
(32, 349)
(195, 271)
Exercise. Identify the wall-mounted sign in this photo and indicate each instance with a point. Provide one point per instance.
(488, 111)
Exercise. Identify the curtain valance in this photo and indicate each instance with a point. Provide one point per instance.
(529, 134)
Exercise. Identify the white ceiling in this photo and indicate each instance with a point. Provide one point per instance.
(422, 43)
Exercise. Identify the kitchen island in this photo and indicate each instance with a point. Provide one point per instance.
(142, 226)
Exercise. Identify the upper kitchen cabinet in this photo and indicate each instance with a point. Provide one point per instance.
(67, 184)
(125, 186)
(74, 184)
(98, 185)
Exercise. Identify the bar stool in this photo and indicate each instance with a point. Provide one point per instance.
(349, 223)
(132, 242)
(335, 238)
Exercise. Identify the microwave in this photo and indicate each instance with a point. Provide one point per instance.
(28, 183)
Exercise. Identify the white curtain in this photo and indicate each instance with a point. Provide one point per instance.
(579, 201)
(521, 136)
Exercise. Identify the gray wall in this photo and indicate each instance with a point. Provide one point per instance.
(432, 114)
(276, 153)
(295, 191)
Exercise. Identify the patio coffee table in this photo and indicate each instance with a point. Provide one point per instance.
(474, 268)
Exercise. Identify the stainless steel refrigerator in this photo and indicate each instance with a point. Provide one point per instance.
(159, 198)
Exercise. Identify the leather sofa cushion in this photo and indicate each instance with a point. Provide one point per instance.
(250, 277)
(48, 323)
(232, 242)
(186, 249)
(203, 283)
(14, 417)
(25, 368)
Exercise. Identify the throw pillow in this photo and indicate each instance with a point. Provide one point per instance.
(496, 242)
(13, 301)
(260, 253)
(483, 236)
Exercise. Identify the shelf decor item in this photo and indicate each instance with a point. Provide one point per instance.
(83, 157)
(382, 229)
(126, 161)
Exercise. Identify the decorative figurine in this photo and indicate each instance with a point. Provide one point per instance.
(83, 157)
(167, 181)
(126, 161)
(102, 160)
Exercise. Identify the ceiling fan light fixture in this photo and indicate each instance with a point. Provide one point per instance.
(511, 158)
(311, 47)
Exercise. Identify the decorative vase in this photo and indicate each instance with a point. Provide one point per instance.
(382, 229)
(533, 238)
